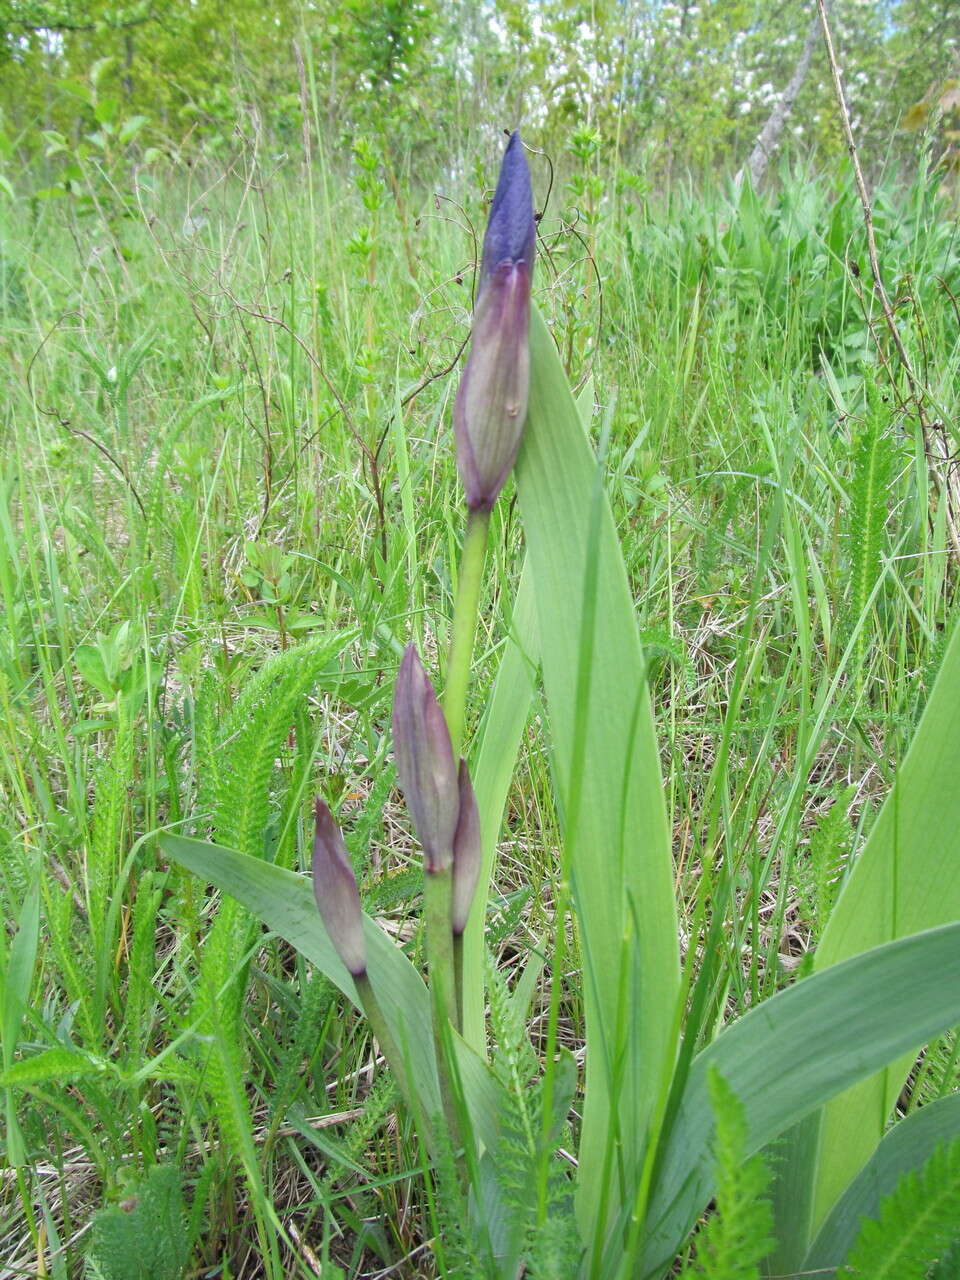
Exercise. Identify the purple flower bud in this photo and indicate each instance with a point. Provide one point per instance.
(491, 404)
(511, 234)
(335, 888)
(425, 763)
(466, 852)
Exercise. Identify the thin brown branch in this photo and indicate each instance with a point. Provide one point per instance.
(52, 412)
(932, 438)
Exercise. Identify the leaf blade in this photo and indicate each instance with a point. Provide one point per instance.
(906, 879)
(620, 848)
(790, 1054)
(907, 1146)
(284, 902)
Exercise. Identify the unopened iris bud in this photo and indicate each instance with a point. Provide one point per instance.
(425, 763)
(491, 404)
(335, 888)
(466, 853)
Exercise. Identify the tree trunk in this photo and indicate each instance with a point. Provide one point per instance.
(769, 138)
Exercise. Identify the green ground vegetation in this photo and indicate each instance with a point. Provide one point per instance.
(228, 500)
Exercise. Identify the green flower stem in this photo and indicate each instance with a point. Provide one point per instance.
(391, 1050)
(465, 625)
(458, 978)
(437, 899)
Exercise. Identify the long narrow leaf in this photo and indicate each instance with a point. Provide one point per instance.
(492, 772)
(795, 1051)
(620, 848)
(285, 903)
(906, 879)
(494, 762)
(907, 1146)
(14, 1000)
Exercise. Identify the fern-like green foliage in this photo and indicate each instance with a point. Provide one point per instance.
(948, 1268)
(874, 456)
(919, 1222)
(236, 764)
(737, 1238)
(207, 736)
(544, 1236)
(463, 1252)
(660, 650)
(108, 841)
(347, 1156)
(821, 873)
(238, 761)
(940, 1073)
(312, 1006)
(145, 1236)
(140, 995)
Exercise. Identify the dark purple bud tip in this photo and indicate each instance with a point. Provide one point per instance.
(511, 234)
(491, 405)
(335, 888)
(466, 853)
(425, 763)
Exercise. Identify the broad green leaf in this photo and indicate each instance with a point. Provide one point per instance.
(795, 1051)
(907, 1146)
(619, 843)
(285, 903)
(906, 879)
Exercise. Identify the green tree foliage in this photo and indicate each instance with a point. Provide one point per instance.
(672, 84)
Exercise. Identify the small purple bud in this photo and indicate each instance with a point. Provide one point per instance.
(491, 405)
(511, 234)
(425, 763)
(335, 888)
(466, 852)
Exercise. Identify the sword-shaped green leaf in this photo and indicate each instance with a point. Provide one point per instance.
(906, 879)
(907, 1147)
(794, 1052)
(284, 902)
(617, 835)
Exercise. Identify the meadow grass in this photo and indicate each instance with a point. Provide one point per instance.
(226, 436)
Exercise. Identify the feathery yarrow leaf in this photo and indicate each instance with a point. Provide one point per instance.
(737, 1238)
(918, 1222)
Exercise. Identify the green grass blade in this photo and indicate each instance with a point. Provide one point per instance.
(620, 848)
